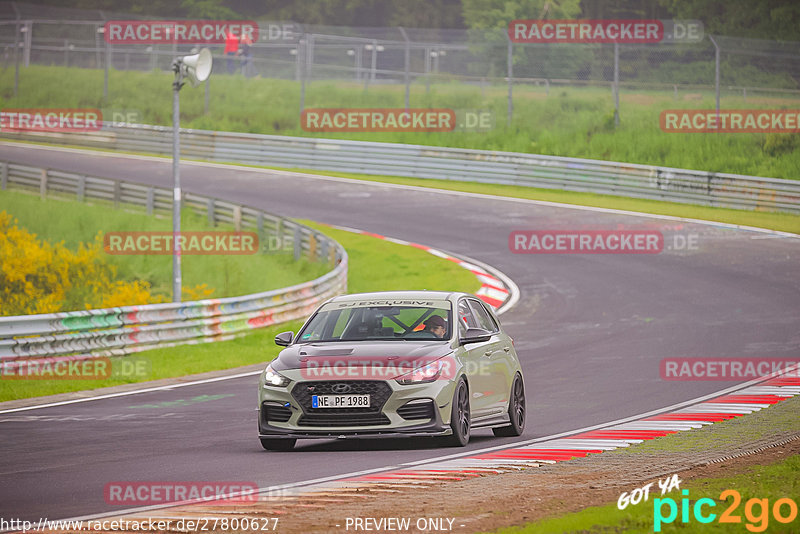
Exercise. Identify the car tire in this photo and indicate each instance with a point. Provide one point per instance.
(278, 444)
(516, 411)
(460, 416)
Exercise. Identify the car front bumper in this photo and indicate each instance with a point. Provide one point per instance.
(293, 422)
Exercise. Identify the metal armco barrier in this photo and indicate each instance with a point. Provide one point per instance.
(128, 329)
(419, 161)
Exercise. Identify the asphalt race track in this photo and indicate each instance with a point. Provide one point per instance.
(591, 330)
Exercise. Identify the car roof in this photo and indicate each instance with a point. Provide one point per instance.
(413, 295)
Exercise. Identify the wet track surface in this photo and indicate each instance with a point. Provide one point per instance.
(590, 330)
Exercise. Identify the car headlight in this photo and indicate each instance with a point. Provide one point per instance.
(274, 378)
(422, 375)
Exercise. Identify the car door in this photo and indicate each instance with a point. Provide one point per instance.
(497, 360)
(476, 362)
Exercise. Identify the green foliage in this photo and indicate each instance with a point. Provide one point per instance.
(483, 14)
(74, 223)
(763, 19)
(566, 121)
(778, 144)
(208, 9)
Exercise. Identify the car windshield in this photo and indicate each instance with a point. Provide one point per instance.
(379, 320)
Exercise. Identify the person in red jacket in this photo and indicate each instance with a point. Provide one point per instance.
(231, 50)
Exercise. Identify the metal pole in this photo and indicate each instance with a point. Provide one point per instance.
(28, 43)
(407, 66)
(105, 75)
(97, 47)
(301, 50)
(510, 72)
(427, 70)
(309, 59)
(367, 75)
(374, 64)
(616, 84)
(297, 73)
(716, 72)
(176, 196)
(205, 110)
(16, 60)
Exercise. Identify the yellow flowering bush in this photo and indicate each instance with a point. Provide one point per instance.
(198, 292)
(39, 277)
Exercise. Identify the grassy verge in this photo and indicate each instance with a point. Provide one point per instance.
(572, 121)
(375, 265)
(73, 223)
(771, 482)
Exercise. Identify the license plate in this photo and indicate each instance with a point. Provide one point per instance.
(340, 401)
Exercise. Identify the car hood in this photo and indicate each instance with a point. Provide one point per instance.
(399, 356)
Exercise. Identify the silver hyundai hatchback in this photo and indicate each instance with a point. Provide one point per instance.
(389, 364)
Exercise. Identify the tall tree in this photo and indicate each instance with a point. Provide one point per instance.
(208, 9)
(763, 19)
(486, 14)
(427, 14)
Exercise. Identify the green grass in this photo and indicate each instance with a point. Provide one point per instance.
(772, 482)
(720, 439)
(375, 265)
(570, 121)
(56, 219)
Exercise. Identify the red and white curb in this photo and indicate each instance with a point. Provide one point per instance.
(595, 441)
(323, 493)
(497, 290)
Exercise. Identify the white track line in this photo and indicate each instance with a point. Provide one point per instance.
(132, 392)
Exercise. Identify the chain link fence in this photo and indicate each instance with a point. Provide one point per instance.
(37, 35)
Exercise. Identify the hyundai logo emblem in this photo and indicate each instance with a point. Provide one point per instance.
(341, 388)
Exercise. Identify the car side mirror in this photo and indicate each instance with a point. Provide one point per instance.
(284, 339)
(475, 335)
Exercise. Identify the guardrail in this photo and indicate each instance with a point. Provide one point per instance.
(419, 161)
(128, 329)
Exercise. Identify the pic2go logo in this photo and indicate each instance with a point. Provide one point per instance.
(756, 511)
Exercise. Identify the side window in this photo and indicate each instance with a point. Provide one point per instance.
(485, 320)
(466, 318)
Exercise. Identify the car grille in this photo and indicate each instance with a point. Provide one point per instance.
(339, 419)
(378, 391)
(273, 412)
(416, 410)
